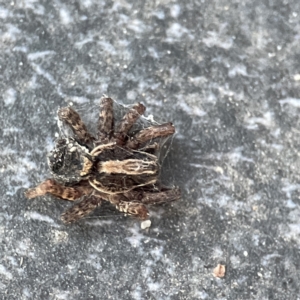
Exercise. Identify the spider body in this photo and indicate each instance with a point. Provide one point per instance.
(118, 165)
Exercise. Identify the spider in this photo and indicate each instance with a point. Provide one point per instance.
(119, 165)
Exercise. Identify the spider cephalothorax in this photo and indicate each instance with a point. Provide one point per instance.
(119, 165)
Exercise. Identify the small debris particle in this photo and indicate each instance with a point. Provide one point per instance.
(219, 271)
(145, 224)
(297, 77)
(259, 274)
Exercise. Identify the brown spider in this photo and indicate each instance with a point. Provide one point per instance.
(120, 165)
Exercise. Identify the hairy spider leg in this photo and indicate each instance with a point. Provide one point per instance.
(127, 122)
(70, 117)
(150, 148)
(81, 209)
(152, 198)
(133, 208)
(150, 133)
(50, 186)
(106, 120)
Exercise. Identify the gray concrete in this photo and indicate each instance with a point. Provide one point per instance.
(228, 75)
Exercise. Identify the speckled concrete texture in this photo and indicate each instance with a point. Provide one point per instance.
(227, 73)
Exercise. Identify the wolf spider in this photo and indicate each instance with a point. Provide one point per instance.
(119, 165)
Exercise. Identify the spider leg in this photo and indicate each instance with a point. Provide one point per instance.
(73, 120)
(166, 195)
(106, 120)
(150, 148)
(99, 149)
(150, 133)
(132, 208)
(52, 187)
(81, 209)
(127, 121)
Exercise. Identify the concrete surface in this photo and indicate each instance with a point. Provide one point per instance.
(227, 73)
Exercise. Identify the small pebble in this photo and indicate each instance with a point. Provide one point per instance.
(145, 224)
